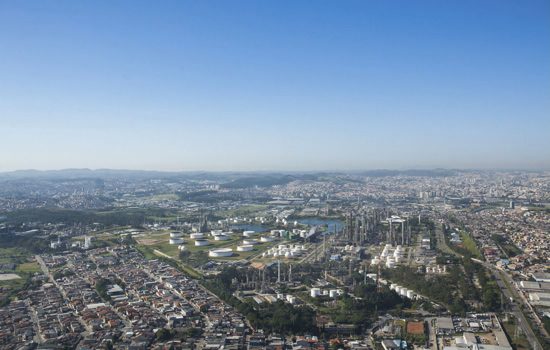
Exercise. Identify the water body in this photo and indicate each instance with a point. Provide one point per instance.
(256, 228)
(319, 222)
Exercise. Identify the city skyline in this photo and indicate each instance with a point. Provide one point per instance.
(246, 86)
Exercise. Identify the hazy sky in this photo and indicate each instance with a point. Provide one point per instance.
(274, 85)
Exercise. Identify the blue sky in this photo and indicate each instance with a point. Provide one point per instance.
(274, 85)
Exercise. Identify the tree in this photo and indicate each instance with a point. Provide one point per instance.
(163, 335)
(191, 332)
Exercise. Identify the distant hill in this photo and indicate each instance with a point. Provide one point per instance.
(411, 172)
(88, 173)
(235, 179)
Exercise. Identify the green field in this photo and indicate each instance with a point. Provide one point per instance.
(470, 244)
(28, 267)
(243, 211)
(521, 342)
(13, 255)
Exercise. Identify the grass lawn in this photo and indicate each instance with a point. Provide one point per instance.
(8, 255)
(29, 267)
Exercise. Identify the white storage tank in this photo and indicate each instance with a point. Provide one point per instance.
(291, 299)
(196, 235)
(228, 233)
(397, 289)
(267, 239)
(220, 252)
(333, 293)
(392, 286)
(176, 240)
(390, 264)
(275, 255)
(245, 247)
(263, 254)
(288, 255)
(374, 261)
(216, 232)
(201, 242)
(325, 292)
(250, 241)
(410, 294)
(249, 233)
(282, 246)
(182, 248)
(315, 292)
(403, 292)
(304, 247)
(371, 276)
(176, 234)
(221, 237)
(398, 260)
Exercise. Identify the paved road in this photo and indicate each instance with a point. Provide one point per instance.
(514, 308)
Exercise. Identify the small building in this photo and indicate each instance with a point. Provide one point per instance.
(445, 325)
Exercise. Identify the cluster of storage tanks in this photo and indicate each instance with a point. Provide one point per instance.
(285, 250)
(176, 238)
(404, 292)
(315, 292)
(285, 221)
(282, 233)
(389, 256)
(437, 269)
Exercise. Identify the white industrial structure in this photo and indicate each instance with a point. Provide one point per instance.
(201, 242)
(250, 241)
(220, 252)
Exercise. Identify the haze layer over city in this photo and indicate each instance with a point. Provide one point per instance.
(255, 175)
(276, 86)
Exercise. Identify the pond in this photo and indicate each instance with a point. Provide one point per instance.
(321, 222)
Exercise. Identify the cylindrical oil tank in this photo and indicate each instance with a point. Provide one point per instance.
(201, 242)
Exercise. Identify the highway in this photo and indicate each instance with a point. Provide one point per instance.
(514, 308)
